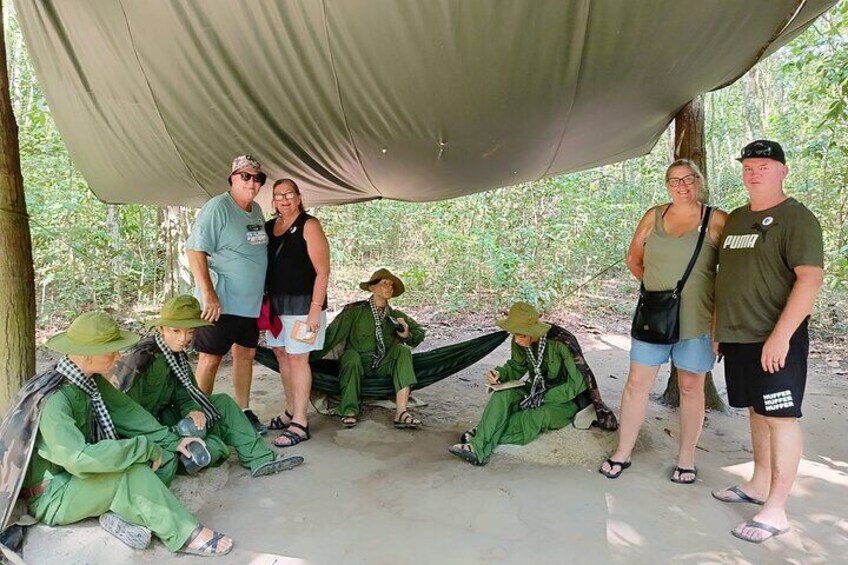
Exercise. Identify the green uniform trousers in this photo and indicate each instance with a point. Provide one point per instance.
(354, 366)
(504, 422)
(136, 495)
(233, 429)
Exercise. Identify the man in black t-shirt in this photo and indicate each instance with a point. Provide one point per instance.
(770, 271)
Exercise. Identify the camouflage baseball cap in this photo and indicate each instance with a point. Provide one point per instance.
(245, 162)
(92, 333)
(181, 311)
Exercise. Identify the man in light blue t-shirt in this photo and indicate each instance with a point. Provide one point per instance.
(227, 253)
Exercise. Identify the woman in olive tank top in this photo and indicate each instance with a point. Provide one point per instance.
(661, 248)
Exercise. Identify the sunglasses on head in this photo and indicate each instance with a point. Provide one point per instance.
(258, 177)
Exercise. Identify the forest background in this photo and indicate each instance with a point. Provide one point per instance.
(537, 241)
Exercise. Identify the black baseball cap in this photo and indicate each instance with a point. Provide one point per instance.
(763, 149)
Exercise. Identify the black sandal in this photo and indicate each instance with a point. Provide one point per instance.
(208, 549)
(611, 474)
(293, 437)
(466, 453)
(349, 421)
(277, 422)
(683, 471)
(467, 435)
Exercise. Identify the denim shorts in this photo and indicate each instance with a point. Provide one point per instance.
(694, 355)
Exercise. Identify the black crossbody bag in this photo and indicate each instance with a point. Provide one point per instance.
(657, 317)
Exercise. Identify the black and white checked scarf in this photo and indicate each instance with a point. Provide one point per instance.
(537, 390)
(102, 426)
(378, 330)
(179, 365)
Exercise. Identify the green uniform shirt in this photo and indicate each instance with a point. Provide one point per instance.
(757, 258)
(64, 442)
(354, 327)
(557, 366)
(158, 391)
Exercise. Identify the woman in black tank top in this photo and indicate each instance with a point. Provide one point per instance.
(296, 283)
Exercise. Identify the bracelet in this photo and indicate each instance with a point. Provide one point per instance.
(317, 303)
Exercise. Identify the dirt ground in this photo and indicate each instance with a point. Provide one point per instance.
(374, 495)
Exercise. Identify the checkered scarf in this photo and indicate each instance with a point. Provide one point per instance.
(378, 330)
(537, 389)
(178, 362)
(102, 425)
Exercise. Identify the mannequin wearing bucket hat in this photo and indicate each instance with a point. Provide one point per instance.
(156, 374)
(376, 339)
(548, 401)
(97, 452)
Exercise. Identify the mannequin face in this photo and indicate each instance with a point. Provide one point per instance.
(91, 364)
(176, 338)
(523, 340)
(384, 289)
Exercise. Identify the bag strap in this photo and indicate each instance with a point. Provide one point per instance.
(704, 226)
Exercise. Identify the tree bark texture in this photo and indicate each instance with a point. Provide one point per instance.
(689, 143)
(17, 278)
(175, 225)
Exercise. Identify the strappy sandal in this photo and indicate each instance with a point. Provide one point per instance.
(277, 423)
(293, 437)
(406, 421)
(680, 471)
(349, 421)
(208, 549)
(612, 474)
(465, 452)
(467, 435)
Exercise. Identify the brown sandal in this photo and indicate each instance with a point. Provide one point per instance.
(406, 421)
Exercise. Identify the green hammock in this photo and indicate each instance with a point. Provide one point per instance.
(430, 366)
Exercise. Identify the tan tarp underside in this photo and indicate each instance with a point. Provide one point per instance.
(359, 99)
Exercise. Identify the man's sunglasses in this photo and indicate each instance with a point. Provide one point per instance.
(258, 177)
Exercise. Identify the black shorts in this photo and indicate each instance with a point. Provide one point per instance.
(229, 329)
(777, 395)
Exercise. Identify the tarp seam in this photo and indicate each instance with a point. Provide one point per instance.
(573, 95)
(156, 104)
(341, 100)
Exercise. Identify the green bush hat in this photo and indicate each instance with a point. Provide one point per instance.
(181, 311)
(381, 274)
(523, 319)
(92, 333)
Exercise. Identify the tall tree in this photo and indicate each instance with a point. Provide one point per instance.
(689, 144)
(17, 301)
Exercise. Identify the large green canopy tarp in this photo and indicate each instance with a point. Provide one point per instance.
(359, 99)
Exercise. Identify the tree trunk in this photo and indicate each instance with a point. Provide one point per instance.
(175, 225)
(17, 301)
(689, 144)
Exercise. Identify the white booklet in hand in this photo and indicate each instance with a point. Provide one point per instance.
(505, 386)
(302, 333)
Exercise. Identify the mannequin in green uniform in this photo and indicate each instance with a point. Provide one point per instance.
(367, 352)
(548, 401)
(97, 452)
(148, 374)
